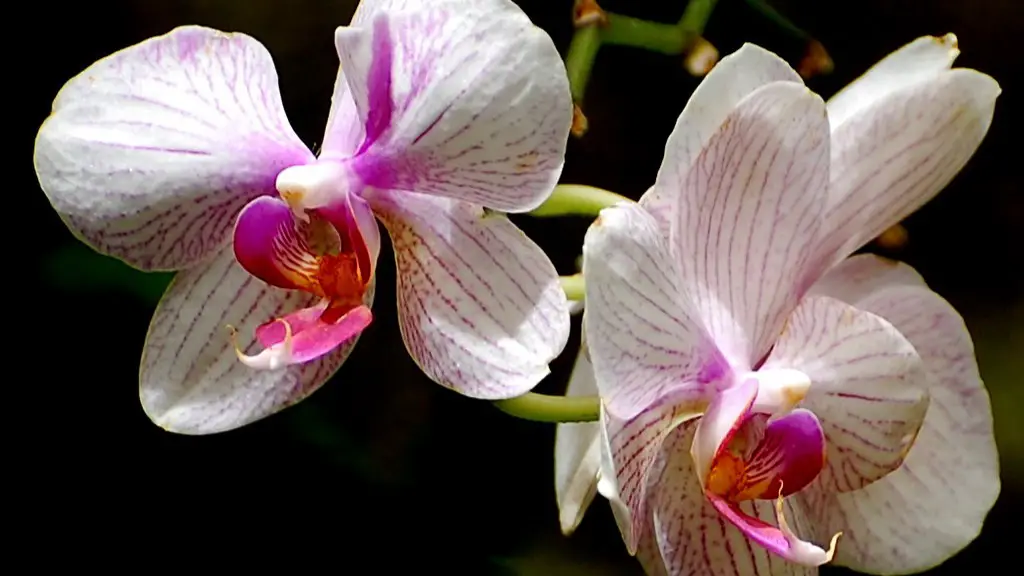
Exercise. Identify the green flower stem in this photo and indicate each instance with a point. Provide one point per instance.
(671, 39)
(544, 408)
(580, 59)
(577, 199)
(778, 19)
(573, 286)
(622, 30)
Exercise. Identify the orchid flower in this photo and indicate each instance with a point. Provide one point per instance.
(761, 390)
(175, 154)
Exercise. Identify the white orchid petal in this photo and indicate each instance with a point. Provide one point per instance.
(897, 154)
(954, 458)
(918, 60)
(867, 387)
(150, 152)
(633, 446)
(864, 274)
(577, 452)
(693, 537)
(748, 214)
(731, 80)
(466, 100)
(644, 340)
(480, 305)
(192, 382)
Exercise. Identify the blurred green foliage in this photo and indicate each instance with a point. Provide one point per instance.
(77, 268)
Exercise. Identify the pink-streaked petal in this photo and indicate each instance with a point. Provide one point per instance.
(864, 274)
(693, 537)
(191, 381)
(465, 100)
(149, 153)
(781, 457)
(480, 305)
(633, 445)
(868, 387)
(345, 130)
(897, 154)
(731, 80)
(918, 60)
(299, 337)
(723, 417)
(647, 551)
(779, 540)
(748, 214)
(577, 452)
(904, 523)
(645, 340)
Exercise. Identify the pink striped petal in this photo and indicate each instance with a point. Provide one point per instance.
(898, 153)
(345, 130)
(480, 306)
(149, 153)
(903, 523)
(919, 60)
(191, 381)
(577, 452)
(466, 100)
(748, 214)
(868, 387)
(731, 80)
(645, 341)
(694, 537)
(864, 274)
(633, 446)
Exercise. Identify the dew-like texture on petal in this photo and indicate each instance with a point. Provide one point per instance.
(919, 60)
(466, 100)
(732, 79)
(149, 153)
(897, 154)
(191, 381)
(577, 452)
(633, 446)
(645, 340)
(904, 522)
(749, 214)
(694, 537)
(868, 387)
(480, 306)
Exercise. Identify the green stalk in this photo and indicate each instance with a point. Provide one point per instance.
(577, 199)
(573, 287)
(579, 61)
(544, 408)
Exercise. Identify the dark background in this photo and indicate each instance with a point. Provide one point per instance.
(381, 470)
